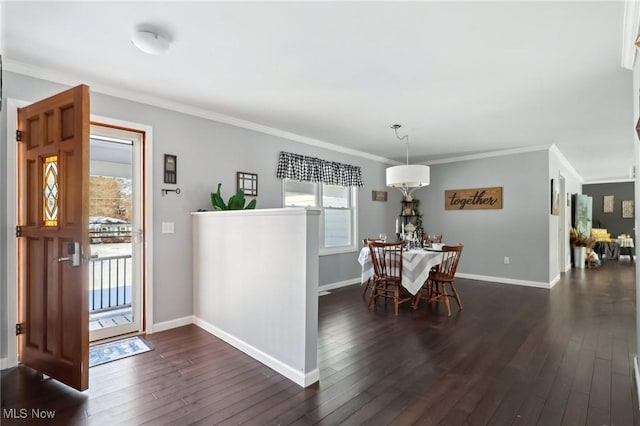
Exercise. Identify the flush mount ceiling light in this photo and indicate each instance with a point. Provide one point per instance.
(407, 178)
(150, 42)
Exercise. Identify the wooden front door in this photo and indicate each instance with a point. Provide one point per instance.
(53, 213)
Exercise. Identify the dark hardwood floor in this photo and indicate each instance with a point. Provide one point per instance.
(513, 356)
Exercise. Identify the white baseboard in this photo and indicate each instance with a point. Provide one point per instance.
(537, 284)
(4, 363)
(168, 325)
(302, 379)
(636, 370)
(339, 284)
(554, 281)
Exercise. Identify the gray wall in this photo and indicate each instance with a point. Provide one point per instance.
(614, 222)
(208, 152)
(519, 230)
(558, 230)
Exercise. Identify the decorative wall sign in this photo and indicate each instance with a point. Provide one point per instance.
(379, 196)
(170, 168)
(627, 209)
(248, 183)
(473, 199)
(555, 197)
(607, 204)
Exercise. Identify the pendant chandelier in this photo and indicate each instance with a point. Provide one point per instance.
(407, 177)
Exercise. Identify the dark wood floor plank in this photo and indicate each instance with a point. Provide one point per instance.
(371, 409)
(622, 389)
(621, 363)
(514, 355)
(584, 371)
(529, 413)
(600, 395)
(575, 413)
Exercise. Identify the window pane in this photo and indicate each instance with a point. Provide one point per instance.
(337, 227)
(300, 194)
(50, 191)
(335, 196)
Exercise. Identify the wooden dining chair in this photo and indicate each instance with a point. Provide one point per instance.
(369, 283)
(387, 268)
(440, 276)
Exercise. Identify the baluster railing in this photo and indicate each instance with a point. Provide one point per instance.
(109, 276)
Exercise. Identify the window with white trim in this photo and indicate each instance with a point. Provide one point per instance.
(339, 209)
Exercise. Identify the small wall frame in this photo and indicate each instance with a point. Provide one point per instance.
(627, 209)
(607, 203)
(248, 183)
(379, 196)
(170, 168)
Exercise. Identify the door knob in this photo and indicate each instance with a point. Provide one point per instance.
(73, 254)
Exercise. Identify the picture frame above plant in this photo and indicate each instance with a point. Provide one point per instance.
(247, 183)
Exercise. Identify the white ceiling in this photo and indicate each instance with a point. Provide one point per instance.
(462, 77)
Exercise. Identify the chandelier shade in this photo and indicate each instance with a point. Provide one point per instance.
(407, 177)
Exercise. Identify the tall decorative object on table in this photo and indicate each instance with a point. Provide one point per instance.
(409, 222)
(407, 178)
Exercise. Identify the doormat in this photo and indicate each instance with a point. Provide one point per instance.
(118, 349)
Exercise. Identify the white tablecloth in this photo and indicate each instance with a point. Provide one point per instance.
(625, 242)
(416, 265)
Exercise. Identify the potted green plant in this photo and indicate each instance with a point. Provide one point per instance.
(236, 202)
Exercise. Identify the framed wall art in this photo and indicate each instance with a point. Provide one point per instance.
(248, 183)
(555, 197)
(379, 196)
(170, 168)
(607, 204)
(627, 209)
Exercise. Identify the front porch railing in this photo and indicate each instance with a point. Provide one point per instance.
(109, 283)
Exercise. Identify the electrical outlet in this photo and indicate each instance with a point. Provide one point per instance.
(506, 260)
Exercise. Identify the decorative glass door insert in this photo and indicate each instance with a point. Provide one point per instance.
(50, 193)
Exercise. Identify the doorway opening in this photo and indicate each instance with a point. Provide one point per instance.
(145, 238)
(116, 229)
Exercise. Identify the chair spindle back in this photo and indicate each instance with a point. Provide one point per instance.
(386, 259)
(450, 259)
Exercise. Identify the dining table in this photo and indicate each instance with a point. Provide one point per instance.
(416, 264)
(626, 246)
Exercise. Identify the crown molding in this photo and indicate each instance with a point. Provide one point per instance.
(595, 182)
(70, 80)
(490, 154)
(551, 148)
(555, 150)
(630, 24)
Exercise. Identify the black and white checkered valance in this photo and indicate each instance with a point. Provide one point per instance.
(311, 169)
